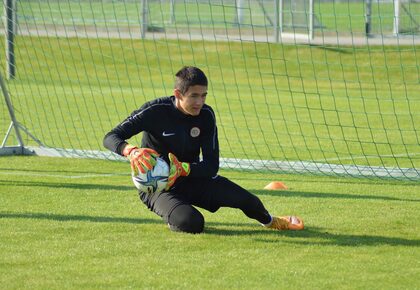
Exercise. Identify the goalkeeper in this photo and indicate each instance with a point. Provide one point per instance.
(178, 128)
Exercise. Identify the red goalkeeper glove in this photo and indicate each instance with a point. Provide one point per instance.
(176, 170)
(142, 159)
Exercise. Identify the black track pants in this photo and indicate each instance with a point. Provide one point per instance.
(176, 207)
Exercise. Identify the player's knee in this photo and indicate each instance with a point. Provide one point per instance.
(187, 219)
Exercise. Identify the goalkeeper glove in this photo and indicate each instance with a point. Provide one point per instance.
(177, 169)
(142, 159)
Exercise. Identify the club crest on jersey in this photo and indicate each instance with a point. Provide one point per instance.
(195, 132)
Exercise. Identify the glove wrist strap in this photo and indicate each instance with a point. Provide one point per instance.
(128, 149)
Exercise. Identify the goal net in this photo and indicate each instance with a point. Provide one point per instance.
(337, 103)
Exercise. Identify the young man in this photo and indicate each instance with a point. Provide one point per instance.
(178, 128)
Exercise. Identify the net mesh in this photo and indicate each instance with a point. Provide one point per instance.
(335, 103)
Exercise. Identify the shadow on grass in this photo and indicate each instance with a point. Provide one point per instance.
(83, 218)
(309, 236)
(66, 185)
(288, 193)
(332, 48)
(314, 236)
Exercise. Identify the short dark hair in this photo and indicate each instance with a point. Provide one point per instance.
(189, 76)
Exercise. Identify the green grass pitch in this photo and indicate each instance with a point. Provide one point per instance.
(78, 224)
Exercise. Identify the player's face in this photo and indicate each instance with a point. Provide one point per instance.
(192, 101)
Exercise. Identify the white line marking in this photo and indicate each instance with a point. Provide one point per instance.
(271, 165)
(367, 157)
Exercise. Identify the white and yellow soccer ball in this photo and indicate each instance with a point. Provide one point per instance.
(153, 181)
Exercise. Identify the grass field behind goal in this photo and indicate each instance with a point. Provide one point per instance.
(72, 223)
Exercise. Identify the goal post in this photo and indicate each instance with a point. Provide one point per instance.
(9, 22)
(334, 103)
(396, 18)
(396, 27)
(296, 18)
(406, 17)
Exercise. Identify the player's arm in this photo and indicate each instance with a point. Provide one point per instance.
(208, 167)
(140, 158)
(209, 142)
(115, 140)
(138, 121)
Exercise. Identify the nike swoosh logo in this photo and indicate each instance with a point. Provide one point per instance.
(164, 134)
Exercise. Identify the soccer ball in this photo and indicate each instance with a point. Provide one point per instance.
(155, 180)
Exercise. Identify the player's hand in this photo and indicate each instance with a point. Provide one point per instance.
(176, 170)
(142, 159)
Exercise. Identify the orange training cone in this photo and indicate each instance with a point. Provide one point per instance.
(276, 185)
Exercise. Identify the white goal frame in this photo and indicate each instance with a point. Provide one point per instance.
(398, 9)
(280, 31)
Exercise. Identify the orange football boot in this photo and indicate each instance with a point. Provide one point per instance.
(287, 223)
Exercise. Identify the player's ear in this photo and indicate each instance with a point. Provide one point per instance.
(177, 94)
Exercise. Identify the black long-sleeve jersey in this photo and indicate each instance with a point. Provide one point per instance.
(166, 129)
